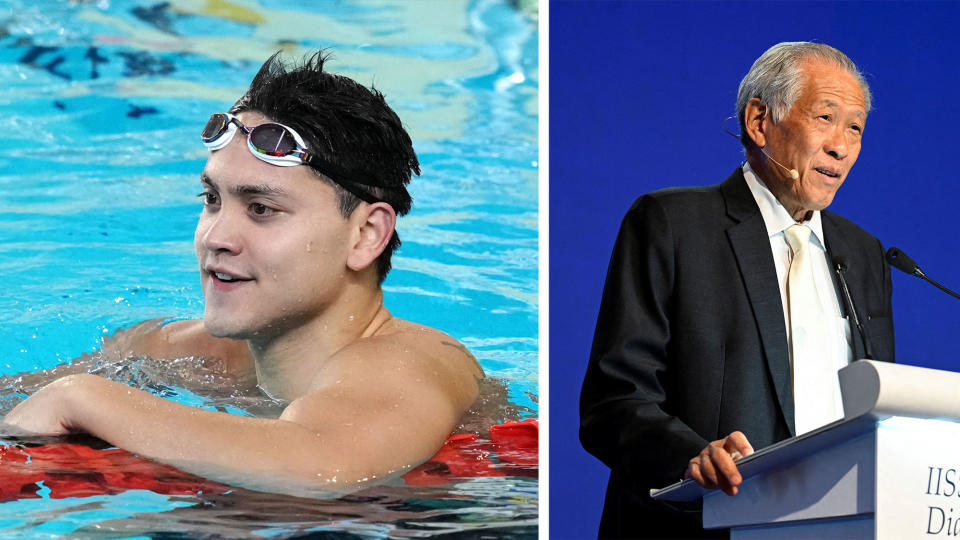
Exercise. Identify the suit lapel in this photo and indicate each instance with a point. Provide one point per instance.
(751, 248)
(837, 245)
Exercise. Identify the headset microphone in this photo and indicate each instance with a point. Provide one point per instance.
(793, 172)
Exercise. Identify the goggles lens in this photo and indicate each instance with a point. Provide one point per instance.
(216, 126)
(273, 140)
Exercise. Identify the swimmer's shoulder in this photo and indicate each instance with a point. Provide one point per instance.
(427, 341)
(411, 355)
(160, 339)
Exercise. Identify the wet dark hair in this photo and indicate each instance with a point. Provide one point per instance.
(348, 126)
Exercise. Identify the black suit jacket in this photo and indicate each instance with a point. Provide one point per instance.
(691, 344)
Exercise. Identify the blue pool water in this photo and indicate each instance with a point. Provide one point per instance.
(100, 114)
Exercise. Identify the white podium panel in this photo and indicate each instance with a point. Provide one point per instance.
(918, 485)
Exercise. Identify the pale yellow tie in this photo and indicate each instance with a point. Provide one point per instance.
(816, 387)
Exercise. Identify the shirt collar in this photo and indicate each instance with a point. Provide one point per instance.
(775, 216)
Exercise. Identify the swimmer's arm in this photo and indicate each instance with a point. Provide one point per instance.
(30, 382)
(176, 339)
(121, 344)
(139, 339)
(152, 338)
(371, 418)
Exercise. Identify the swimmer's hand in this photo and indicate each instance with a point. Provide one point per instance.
(46, 412)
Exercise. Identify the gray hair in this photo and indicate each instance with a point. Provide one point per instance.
(776, 78)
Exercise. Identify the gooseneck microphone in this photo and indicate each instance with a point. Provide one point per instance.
(902, 262)
(793, 172)
(840, 266)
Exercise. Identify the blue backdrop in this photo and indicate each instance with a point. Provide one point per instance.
(638, 91)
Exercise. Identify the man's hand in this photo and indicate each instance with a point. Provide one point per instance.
(47, 411)
(714, 466)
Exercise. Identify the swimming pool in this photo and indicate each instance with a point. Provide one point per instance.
(99, 170)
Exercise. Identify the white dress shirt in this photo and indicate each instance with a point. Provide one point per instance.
(777, 220)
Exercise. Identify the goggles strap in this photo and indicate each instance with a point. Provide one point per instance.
(340, 177)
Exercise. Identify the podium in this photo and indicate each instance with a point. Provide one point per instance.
(890, 469)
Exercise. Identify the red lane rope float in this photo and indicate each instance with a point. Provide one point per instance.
(77, 470)
(512, 450)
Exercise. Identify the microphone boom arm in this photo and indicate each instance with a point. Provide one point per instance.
(941, 287)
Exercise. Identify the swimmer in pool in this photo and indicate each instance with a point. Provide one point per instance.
(306, 176)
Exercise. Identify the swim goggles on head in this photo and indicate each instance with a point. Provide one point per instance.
(276, 144)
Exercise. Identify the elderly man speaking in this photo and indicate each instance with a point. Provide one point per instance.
(721, 328)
